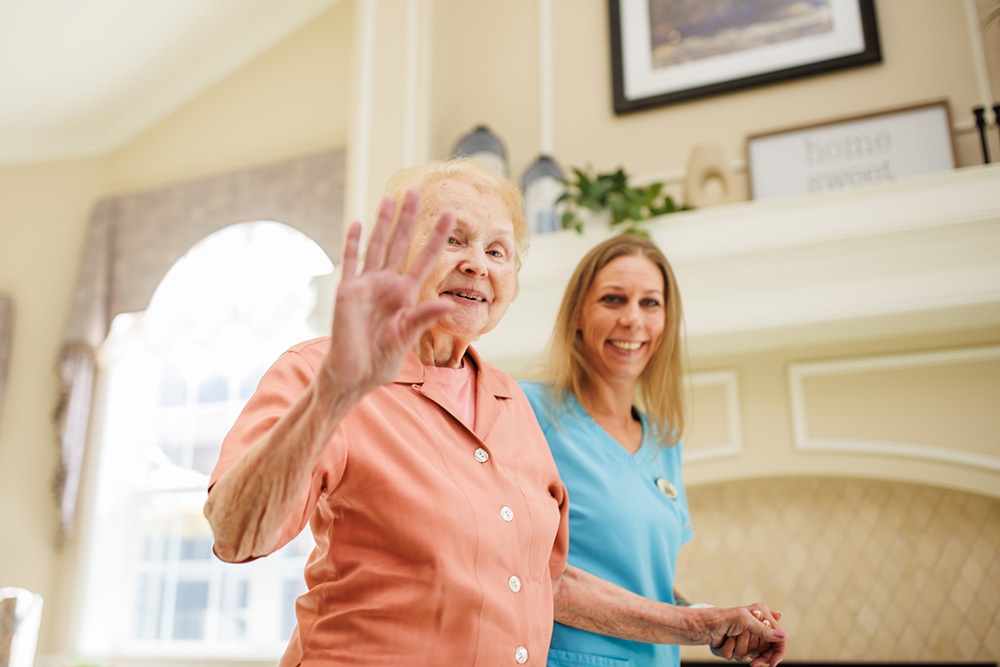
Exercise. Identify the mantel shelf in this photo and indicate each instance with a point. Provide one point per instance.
(921, 255)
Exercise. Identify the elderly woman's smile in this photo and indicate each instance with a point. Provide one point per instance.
(465, 294)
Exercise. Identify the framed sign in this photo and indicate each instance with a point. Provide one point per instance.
(852, 152)
(665, 51)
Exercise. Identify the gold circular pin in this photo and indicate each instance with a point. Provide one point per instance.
(667, 487)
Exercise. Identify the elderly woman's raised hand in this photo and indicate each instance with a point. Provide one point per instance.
(377, 316)
(377, 320)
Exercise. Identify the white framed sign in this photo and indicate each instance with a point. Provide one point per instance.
(853, 152)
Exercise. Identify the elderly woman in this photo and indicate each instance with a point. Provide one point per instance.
(438, 513)
(617, 338)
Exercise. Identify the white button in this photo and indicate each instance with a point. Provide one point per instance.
(506, 513)
(514, 583)
(482, 455)
(521, 655)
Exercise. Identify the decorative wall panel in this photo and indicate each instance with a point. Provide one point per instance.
(894, 405)
(715, 426)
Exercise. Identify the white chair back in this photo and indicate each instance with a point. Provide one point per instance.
(20, 616)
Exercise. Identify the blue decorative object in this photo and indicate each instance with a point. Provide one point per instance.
(542, 185)
(483, 146)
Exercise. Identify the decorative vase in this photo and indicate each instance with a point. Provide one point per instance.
(709, 180)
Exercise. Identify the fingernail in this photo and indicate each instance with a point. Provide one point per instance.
(756, 612)
(767, 622)
(779, 634)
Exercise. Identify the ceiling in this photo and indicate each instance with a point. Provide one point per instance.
(80, 79)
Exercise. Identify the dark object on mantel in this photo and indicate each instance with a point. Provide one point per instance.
(996, 116)
(980, 114)
(849, 663)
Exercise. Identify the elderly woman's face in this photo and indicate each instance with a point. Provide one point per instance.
(476, 271)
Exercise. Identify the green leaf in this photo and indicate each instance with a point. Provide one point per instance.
(600, 190)
(611, 191)
(619, 210)
(637, 231)
(619, 178)
(567, 219)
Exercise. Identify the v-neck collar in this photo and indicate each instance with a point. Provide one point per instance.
(634, 457)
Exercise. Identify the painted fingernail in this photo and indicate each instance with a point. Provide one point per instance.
(779, 634)
(756, 612)
(767, 622)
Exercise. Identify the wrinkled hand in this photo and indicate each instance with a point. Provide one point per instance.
(750, 634)
(377, 316)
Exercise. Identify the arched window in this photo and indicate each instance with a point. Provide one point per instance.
(172, 381)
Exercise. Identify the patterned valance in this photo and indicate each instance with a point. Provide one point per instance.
(134, 239)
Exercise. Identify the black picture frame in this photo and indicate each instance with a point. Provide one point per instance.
(845, 36)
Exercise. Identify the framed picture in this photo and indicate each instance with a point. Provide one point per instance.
(669, 51)
(852, 152)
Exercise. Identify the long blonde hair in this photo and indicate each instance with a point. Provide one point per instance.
(660, 388)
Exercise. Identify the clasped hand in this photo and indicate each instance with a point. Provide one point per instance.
(739, 643)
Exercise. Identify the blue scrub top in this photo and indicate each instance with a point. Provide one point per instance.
(622, 526)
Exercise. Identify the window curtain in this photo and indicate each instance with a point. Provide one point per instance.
(131, 243)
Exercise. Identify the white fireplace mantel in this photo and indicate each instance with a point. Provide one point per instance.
(922, 255)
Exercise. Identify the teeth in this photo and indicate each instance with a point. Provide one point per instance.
(625, 345)
(466, 295)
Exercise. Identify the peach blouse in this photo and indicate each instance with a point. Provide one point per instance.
(435, 544)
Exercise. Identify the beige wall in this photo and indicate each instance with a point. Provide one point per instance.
(478, 65)
(501, 90)
(291, 101)
(44, 211)
(926, 55)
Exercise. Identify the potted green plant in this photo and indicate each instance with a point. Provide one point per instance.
(611, 194)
